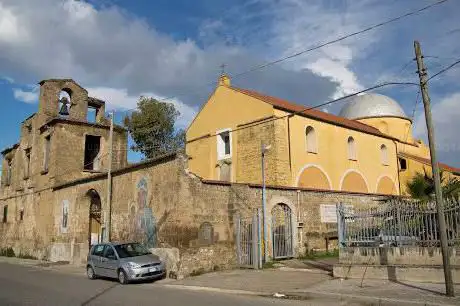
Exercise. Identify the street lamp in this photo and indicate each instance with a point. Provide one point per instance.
(264, 149)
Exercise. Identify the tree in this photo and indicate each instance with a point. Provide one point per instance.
(421, 186)
(152, 128)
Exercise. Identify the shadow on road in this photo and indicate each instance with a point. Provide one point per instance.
(99, 294)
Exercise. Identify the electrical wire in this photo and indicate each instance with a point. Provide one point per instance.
(313, 107)
(316, 47)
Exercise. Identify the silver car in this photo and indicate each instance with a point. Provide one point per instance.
(125, 261)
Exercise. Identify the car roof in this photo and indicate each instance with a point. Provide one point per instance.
(115, 243)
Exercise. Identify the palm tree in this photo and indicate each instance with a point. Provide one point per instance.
(421, 186)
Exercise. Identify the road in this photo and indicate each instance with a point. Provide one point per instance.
(28, 285)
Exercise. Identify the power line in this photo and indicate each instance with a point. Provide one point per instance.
(444, 70)
(309, 108)
(316, 47)
(342, 37)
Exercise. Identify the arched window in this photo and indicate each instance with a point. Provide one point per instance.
(384, 154)
(310, 138)
(351, 148)
(65, 102)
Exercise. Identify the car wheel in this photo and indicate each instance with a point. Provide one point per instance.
(90, 272)
(122, 278)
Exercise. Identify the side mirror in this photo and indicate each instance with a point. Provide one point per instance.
(113, 257)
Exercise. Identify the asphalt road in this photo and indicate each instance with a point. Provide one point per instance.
(27, 285)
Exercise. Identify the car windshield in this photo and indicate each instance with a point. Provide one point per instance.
(131, 250)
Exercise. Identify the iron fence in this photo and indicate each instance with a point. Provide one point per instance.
(248, 237)
(398, 223)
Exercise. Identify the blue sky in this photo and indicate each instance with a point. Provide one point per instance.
(121, 49)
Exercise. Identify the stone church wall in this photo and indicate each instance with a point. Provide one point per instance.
(181, 205)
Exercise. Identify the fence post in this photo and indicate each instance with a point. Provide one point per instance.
(340, 225)
(255, 242)
(238, 237)
(398, 220)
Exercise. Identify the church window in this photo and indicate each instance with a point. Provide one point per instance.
(351, 148)
(65, 102)
(5, 213)
(92, 148)
(384, 154)
(27, 163)
(310, 138)
(46, 153)
(9, 171)
(402, 164)
(224, 145)
(21, 215)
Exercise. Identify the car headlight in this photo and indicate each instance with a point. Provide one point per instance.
(133, 265)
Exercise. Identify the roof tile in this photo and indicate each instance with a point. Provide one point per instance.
(311, 113)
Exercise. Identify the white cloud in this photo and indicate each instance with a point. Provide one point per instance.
(299, 25)
(120, 99)
(108, 48)
(30, 96)
(7, 79)
(445, 120)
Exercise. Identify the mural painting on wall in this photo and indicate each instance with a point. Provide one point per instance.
(145, 219)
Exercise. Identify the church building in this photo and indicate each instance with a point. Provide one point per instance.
(367, 148)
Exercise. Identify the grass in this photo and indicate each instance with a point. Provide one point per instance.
(321, 254)
(268, 265)
(26, 256)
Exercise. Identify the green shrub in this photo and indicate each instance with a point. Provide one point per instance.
(8, 252)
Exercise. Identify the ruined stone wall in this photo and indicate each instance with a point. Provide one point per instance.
(69, 150)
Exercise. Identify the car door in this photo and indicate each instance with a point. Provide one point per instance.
(110, 262)
(96, 259)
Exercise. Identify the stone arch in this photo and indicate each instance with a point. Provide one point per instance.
(354, 181)
(386, 185)
(65, 101)
(95, 216)
(311, 141)
(273, 202)
(313, 176)
(282, 231)
(384, 154)
(351, 143)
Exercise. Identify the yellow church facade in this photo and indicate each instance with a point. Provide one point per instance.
(368, 148)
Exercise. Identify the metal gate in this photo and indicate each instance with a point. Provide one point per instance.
(282, 231)
(248, 241)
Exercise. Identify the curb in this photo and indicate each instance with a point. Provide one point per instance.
(212, 289)
(310, 295)
(368, 298)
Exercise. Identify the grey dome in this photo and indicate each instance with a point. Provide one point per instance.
(372, 105)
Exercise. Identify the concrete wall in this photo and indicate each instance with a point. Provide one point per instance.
(420, 256)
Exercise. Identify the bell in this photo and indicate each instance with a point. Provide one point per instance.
(64, 111)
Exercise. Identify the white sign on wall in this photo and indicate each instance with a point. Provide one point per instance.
(329, 212)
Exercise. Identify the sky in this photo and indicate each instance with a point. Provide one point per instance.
(120, 49)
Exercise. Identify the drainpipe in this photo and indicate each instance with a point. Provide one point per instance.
(299, 223)
(397, 167)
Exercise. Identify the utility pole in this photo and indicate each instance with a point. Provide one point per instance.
(264, 149)
(435, 167)
(109, 179)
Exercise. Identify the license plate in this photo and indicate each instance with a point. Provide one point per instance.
(152, 269)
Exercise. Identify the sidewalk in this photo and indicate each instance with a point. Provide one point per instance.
(314, 285)
(46, 265)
